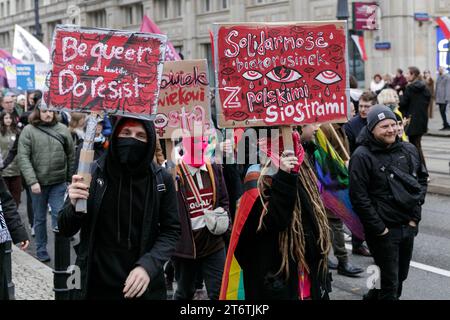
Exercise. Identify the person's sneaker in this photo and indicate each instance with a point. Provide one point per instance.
(349, 270)
(43, 256)
(361, 251)
(347, 238)
(444, 128)
(32, 232)
(55, 229)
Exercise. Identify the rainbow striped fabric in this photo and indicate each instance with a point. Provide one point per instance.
(232, 281)
(334, 180)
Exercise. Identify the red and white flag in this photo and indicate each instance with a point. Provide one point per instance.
(148, 25)
(444, 23)
(359, 41)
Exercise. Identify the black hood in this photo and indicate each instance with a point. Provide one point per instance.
(366, 138)
(418, 86)
(144, 166)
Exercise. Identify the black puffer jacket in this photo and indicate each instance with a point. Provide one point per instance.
(370, 193)
(160, 227)
(414, 103)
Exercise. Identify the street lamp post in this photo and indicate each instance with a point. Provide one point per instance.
(342, 10)
(37, 26)
(342, 14)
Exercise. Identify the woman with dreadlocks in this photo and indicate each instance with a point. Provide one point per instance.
(280, 238)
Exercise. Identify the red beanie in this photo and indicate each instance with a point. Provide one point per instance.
(127, 123)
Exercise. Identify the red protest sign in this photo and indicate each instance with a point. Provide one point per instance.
(105, 70)
(183, 99)
(280, 74)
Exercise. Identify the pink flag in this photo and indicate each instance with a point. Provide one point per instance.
(359, 41)
(8, 69)
(444, 23)
(148, 25)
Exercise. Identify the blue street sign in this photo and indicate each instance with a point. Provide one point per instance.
(421, 16)
(382, 45)
(25, 76)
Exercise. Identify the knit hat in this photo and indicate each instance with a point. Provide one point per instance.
(21, 97)
(128, 122)
(379, 113)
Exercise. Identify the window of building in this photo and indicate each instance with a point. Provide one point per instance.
(179, 50)
(2, 10)
(128, 12)
(224, 4)
(4, 39)
(20, 6)
(51, 28)
(139, 13)
(178, 9)
(98, 18)
(8, 8)
(164, 8)
(207, 6)
(207, 51)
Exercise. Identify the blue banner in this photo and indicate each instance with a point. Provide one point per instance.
(442, 58)
(25, 76)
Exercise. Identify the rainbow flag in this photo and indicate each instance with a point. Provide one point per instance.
(233, 281)
(334, 181)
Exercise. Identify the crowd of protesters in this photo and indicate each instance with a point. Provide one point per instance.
(150, 221)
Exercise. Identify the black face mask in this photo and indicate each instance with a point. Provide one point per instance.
(130, 151)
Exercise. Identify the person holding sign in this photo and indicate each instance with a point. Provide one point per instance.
(284, 242)
(204, 216)
(131, 225)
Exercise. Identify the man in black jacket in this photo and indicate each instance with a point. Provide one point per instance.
(381, 168)
(131, 226)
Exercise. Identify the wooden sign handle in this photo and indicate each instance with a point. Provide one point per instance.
(286, 133)
(333, 131)
(87, 157)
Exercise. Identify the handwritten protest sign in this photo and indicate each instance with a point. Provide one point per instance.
(183, 99)
(118, 72)
(273, 74)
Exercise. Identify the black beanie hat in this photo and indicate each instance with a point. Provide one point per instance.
(379, 113)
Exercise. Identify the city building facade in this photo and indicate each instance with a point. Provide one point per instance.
(412, 41)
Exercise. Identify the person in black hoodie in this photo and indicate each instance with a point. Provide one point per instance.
(384, 173)
(131, 226)
(414, 104)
